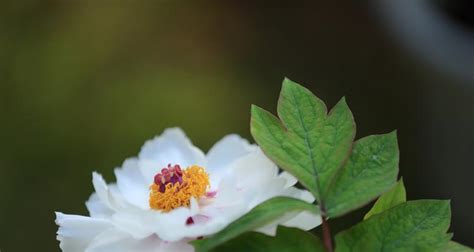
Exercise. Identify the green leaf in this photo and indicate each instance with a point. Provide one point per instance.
(411, 226)
(259, 216)
(370, 171)
(395, 196)
(286, 240)
(456, 247)
(308, 142)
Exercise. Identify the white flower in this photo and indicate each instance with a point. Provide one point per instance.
(135, 214)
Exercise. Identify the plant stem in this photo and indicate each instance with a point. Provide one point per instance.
(327, 235)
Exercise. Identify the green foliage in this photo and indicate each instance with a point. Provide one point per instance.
(259, 216)
(286, 240)
(308, 142)
(395, 196)
(456, 247)
(318, 149)
(411, 226)
(371, 170)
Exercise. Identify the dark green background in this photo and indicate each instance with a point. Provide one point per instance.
(84, 83)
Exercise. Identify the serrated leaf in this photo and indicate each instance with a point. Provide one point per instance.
(259, 216)
(286, 240)
(456, 247)
(370, 171)
(308, 142)
(395, 196)
(411, 226)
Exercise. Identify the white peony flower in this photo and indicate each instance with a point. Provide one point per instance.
(173, 193)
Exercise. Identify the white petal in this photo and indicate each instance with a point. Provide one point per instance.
(172, 147)
(271, 228)
(76, 232)
(229, 201)
(213, 223)
(227, 193)
(249, 182)
(101, 189)
(227, 150)
(97, 208)
(304, 220)
(227, 206)
(132, 184)
(179, 246)
(140, 223)
(257, 178)
(272, 189)
(290, 179)
(246, 178)
(167, 226)
(109, 195)
(135, 224)
(114, 240)
(194, 206)
(253, 170)
(268, 230)
(171, 224)
(106, 200)
(296, 193)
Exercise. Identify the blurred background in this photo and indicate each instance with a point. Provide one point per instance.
(84, 83)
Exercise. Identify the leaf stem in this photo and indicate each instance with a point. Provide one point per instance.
(327, 235)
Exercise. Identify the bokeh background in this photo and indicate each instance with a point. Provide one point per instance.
(84, 83)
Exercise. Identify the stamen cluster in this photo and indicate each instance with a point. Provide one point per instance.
(173, 187)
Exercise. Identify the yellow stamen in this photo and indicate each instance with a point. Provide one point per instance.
(195, 184)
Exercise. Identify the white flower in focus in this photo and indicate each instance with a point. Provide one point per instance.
(173, 193)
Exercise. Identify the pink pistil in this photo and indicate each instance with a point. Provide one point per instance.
(169, 175)
(189, 221)
(211, 194)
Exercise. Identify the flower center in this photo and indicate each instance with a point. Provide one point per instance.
(173, 187)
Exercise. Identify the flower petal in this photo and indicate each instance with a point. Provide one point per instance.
(101, 189)
(304, 220)
(97, 208)
(271, 228)
(227, 150)
(290, 179)
(171, 224)
(179, 246)
(250, 180)
(167, 226)
(172, 147)
(108, 194)
(142, 223)
(226, 207)
(122, 220)
(132, 184)
(253, 170)
(268, 229)
(135, 224)
(257, 178)
(298, 194)
(114, 240)
(76, 232)
(300, 219)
